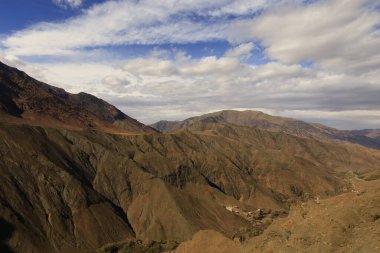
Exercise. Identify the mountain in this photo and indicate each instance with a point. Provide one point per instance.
(24, 99)
(264, 121)
(76, 191)
(371, 133)
(118, 186)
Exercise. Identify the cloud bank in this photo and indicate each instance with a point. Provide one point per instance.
(315, 60)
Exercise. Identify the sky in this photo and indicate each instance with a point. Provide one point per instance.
(315, 60)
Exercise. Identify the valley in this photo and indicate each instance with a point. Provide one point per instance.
(78, 175)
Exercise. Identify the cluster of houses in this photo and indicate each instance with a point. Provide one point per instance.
(248, 215)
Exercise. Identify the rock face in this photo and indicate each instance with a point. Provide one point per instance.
(22, 97)
(79, 188)
(256, 119)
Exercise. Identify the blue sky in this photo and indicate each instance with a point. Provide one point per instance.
(19, 14)
(315, 60)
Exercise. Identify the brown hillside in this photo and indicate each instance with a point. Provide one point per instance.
(79, 190)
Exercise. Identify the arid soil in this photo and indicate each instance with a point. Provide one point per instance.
(349, 222)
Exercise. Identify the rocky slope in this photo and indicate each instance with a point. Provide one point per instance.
(81, 190)
(349, 222)
(264, 121)
(24, 99)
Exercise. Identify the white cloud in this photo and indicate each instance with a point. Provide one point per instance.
(158, 87)
(77, 77)
(245, 7)
(129, 22)
(337, 35)
(340, 88)
(14, 61)
(68, 3)
(243, 51)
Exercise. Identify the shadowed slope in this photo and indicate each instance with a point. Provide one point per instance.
(6, 231)
(48, 197)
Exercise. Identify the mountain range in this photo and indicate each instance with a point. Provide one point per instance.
(255, 119)
(78, 175)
